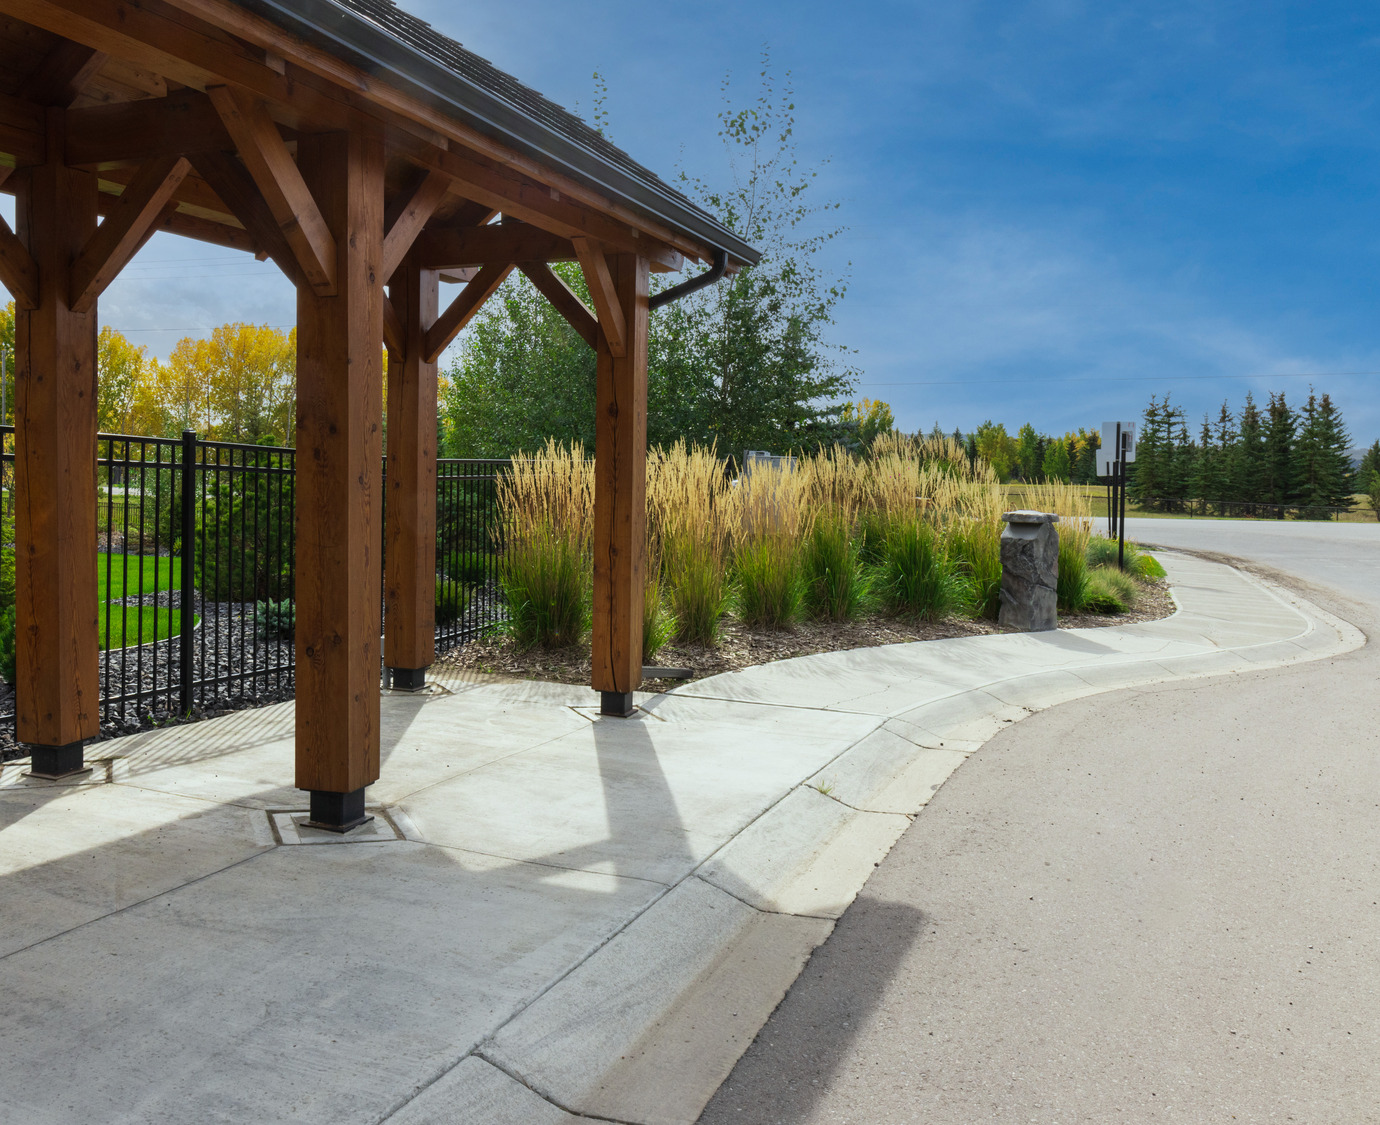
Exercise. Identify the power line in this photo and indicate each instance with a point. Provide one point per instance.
(1122, 379)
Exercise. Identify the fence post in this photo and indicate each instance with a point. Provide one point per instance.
(185, 602)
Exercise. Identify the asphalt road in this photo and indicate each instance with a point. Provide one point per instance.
(1160, 904)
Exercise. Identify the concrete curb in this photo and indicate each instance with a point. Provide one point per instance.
(648, 1027)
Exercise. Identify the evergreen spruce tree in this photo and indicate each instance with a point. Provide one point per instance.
(1277, 484)
(1207, 473)
(1150, 473)
(1338, 479)
(1250, 463)
(1228, 452)
(1315, 468)
(1370, 463)
(1184, 458)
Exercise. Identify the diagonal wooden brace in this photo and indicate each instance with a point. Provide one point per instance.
(126, 228)
(265, 154)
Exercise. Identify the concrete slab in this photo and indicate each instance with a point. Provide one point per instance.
(312, 984)
(648, 1027)
(72, 854)
(808, 855)
(477, 1091)
(647, 800)
(886, 772)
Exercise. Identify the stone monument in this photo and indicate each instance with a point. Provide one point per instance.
(1029, 572)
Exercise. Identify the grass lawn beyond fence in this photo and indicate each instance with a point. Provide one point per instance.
(124, 626)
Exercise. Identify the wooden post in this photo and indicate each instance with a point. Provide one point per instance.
(410, 566)
(620, 492)
(57, 689)
(339, 456)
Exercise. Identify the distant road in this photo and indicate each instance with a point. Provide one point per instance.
(1343, 556)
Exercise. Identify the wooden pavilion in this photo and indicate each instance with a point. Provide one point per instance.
(367, 156)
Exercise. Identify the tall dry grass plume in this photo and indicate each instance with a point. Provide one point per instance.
(771, 504)
(547, 505)
(688, 533)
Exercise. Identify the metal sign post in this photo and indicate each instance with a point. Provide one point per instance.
(1118, 449)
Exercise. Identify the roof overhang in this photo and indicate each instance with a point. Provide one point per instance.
(366, 45)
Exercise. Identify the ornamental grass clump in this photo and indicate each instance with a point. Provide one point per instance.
(1110, 591)
(919, 578)
(547, 505)
(688, 529)
(836, 583)
(770, 504)
(1075, 532)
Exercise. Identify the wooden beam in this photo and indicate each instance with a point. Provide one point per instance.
(563, 299)
(203, 230)
(394, 335)
(233, 184)
(21, 131)
(63, 74)
(459, 312)
(409, 583)
(271, 166)
(126, 229)
(595, 267)
(18, 271)
(620, 493)
(408, 214)
(203, 43)
(449, 248)
(182, 123)
(57, 689)
(339, 491)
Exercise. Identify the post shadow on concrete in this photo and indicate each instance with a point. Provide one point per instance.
(874, 936)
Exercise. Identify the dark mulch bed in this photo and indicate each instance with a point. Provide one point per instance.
(742, 646)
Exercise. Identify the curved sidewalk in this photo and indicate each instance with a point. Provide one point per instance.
(553, 914)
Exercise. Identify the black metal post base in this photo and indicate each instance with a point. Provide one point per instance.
(405, 679)
(616, 703)
(53, 763)
(337, 812)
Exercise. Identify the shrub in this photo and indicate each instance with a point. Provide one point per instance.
(1103, 552)
(451, 600)
(919, 579)
(6, 577)
(769, 587)
(976, 548)
(275, 620)
(1109, 591)
(7, 644)
(245, 523)
(1147, 567)
(465, 566)
(835, 585)
(545, 577)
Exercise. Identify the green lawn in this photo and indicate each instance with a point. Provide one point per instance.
(135, 574)
(130, 575)
(137, 625)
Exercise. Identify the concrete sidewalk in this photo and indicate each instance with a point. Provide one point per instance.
(551, 912)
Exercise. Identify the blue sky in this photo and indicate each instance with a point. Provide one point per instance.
(1054, 209)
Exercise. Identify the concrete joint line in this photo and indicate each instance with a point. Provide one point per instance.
(133, 905)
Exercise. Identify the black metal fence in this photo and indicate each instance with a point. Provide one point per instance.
(1249, 509)
(216, 520)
